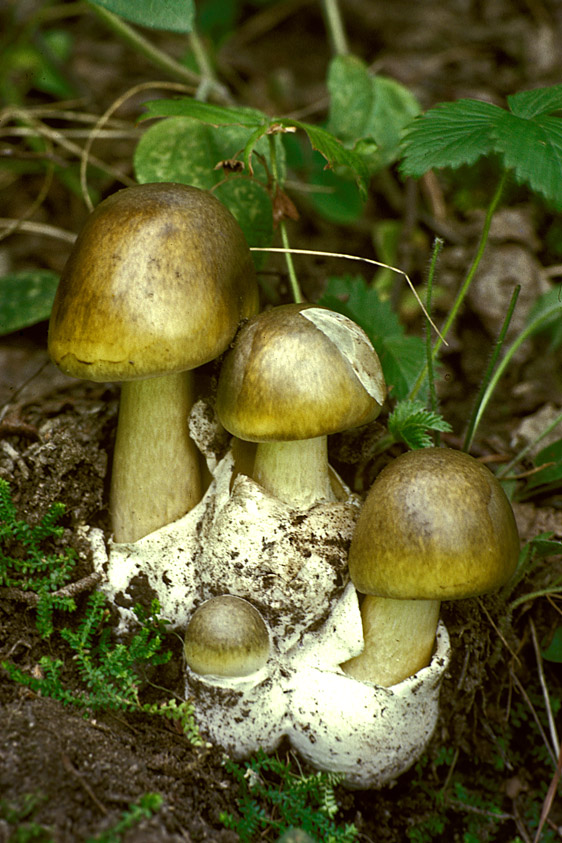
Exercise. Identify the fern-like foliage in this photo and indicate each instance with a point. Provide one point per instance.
(145, 808)
(274, 797)
(26, 565)
(411, 422)
(111, 673)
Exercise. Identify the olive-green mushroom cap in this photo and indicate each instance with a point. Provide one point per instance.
(436, 525)
(226, 636)
(298, 372)
(157, 282)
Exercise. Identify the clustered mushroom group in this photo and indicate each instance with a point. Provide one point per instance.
(305, 614)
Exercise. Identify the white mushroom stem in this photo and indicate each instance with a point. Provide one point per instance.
(399, 639)
(156, 474)
(296, 472)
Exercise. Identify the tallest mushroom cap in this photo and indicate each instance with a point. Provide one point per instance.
(436, 525)
(157, 282)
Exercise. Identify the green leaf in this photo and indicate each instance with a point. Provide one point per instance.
(336, 197)
(179, 150)
(26, 298)
(550, 476)
(250, 203)
(553, 652)
(527, 137)
(546, 313)
(533, 150)
(170, 15)
(351, 97)
(401, 357)
(411, 421)
(215, 115)
(529, 104)
(187, 151)
(333, 151)
(369, 112)
(449, 135)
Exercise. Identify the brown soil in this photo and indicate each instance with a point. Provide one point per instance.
(56, 442)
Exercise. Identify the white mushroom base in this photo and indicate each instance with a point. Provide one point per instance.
(241, 541)
(291, 564)
(368, 733)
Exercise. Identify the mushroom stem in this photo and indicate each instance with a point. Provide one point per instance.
(399, 638)
(153, 446)
(296, 472)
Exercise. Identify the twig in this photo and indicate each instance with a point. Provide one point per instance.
(70, 590)
(551, 722)
(69, 766)
(549, 798)
(355, 258)
(86, 155)
(14, 225)
(525, 696)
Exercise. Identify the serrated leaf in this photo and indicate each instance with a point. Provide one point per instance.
(26, 298)
(449, 135)
(401, 356)
(529, 104)
(528, 138)
(411, 421)
(533, 150)
(333, 151)
(169, 15)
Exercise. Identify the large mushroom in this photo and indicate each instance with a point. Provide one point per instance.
(156, 285)
(296, 374)
(436, 525)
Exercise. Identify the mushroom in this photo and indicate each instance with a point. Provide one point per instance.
(295, 374)
(156, 284)
(226, 636)
(436, 525)
(234, 678)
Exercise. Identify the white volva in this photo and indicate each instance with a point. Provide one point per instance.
(369, 733)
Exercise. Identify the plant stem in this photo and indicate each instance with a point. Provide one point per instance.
(524, 335)
(519, 456)
(478, 407)
(154, 55)
(334, 25)
(467, 282)
(437, 246)
(293, 280)
(209, 81)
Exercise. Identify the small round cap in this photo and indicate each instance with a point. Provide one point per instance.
(436, 525)
(157, 282)
(298, 372)
(226, 636)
